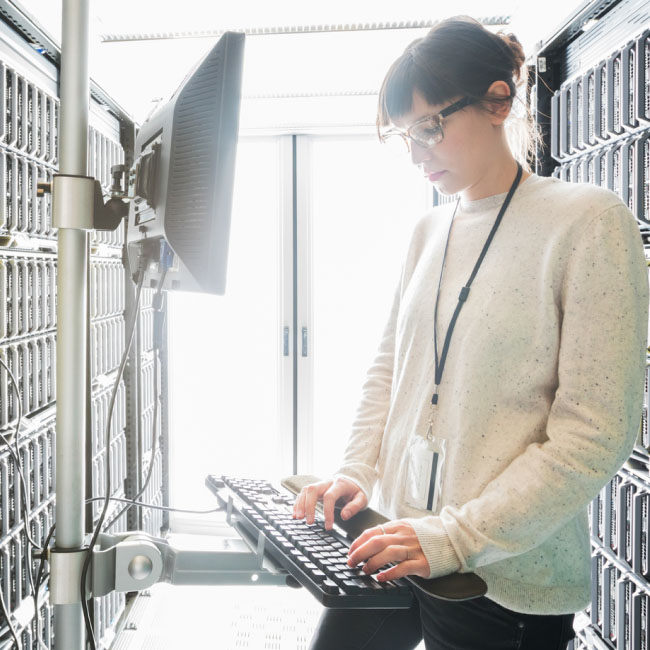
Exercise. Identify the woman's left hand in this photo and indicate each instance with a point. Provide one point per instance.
(392, 542)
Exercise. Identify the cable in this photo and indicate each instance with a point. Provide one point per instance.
(107, 499)
(23, 490)
(40, 579)
(140, 504)
(157, 305)
(5, 613)
(15, 452)
(154, 447)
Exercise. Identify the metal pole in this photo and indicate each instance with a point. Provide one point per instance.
(71, 315)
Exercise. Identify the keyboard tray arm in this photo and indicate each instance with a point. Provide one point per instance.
(137, 561)
(134, 560)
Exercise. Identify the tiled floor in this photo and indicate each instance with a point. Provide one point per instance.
(227, 618)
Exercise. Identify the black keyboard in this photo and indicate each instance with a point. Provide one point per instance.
(315, 557)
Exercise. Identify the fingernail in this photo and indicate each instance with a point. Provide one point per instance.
(345, 514)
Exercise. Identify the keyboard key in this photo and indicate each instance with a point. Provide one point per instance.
(318, 576)
(364, 586)
(350, 587)
(402, 584)
(329, 587)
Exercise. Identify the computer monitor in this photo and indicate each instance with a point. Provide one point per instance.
(183, 175)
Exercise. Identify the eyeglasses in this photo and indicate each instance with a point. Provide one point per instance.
(427, 131)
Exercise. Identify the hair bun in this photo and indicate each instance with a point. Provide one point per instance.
(517, 51)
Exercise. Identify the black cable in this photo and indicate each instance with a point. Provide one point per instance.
(157, 305)
(140, 504)
(5, 613)
(40, 579)
(23, 490)
(154, 448)
(89, 552)
(15, 453)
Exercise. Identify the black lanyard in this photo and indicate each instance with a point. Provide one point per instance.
(440, 365)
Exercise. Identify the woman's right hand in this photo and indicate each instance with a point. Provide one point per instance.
(330, 491)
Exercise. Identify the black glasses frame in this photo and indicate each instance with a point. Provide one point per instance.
(407, 135)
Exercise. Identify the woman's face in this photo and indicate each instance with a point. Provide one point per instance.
(460, 158)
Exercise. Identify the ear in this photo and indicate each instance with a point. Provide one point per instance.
(499, 110)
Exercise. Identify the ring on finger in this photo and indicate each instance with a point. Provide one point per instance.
(383, 530)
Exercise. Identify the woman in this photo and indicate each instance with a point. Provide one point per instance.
(508, 385)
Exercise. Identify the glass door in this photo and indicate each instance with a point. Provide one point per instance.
(358, 202)
(230, 381)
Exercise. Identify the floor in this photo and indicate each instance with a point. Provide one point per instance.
(228, 618)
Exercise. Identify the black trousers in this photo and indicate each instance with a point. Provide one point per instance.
(477, 624)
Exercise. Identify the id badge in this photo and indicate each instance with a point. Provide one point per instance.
(426, 460)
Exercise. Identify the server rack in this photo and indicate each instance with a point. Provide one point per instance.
(591, 100)
(29, 77)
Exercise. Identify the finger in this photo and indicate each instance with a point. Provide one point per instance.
(364, 537)
(331, 496)
(375, 545)
(312, 492)
(299, 505)
(355, 505)
(398, 571)
(389, 555)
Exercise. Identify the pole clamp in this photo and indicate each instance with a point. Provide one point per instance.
(73, 201)
(65, 571)
(78, 202)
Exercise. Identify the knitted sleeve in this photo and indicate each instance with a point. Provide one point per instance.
(593, 421)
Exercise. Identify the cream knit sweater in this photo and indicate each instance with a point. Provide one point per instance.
(541, 397)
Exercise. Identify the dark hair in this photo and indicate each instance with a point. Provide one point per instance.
(457, 57)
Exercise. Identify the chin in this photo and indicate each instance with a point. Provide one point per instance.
(443, 187)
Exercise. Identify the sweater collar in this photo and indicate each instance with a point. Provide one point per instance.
(490, 202)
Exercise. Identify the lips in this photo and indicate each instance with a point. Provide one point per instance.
(434, 176)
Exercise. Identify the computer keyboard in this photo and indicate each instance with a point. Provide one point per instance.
(315, 557)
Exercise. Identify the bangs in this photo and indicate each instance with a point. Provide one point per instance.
(405, 76)
(396, 94)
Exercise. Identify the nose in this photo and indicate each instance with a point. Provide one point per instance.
(419, 154)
